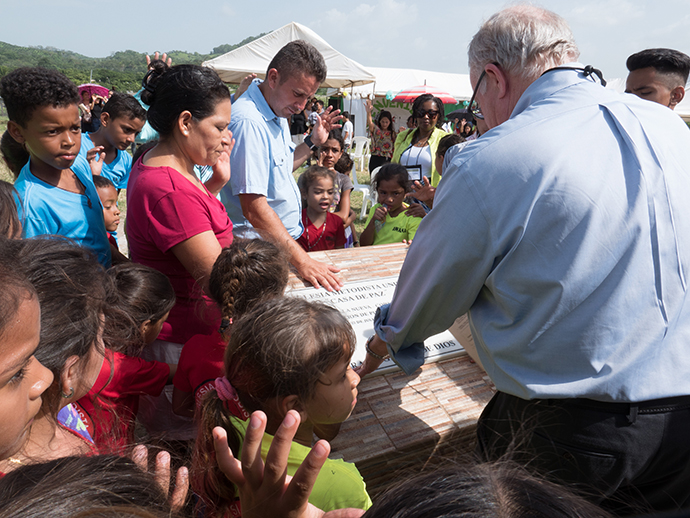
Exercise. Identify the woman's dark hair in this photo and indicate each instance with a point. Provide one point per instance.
(124, 105)
(502, 490)
(171, 90)
(16, 288)
(15, 154)
(281, 347)
(395, 172)
(10, 226)
(448, 142)
(25, 89)
(141, 293)
(102, 485)
(73, 291)
(385, 114)
(419, 102)
(245, 273)
(308, 177)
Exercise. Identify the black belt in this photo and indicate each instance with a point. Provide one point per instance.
(651, 406)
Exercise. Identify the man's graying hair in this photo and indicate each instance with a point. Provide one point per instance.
(523, 40)
(299, 57)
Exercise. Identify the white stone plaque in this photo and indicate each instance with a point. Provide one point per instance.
(358, 301)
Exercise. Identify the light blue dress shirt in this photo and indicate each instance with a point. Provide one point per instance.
(565, 232)
(49, 210)
(261, 163)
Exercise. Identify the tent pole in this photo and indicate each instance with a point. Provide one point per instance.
(352, 89)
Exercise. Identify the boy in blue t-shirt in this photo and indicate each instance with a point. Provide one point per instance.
(55, 187)
(121, 121)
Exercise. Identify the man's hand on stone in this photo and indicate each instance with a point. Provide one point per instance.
(372, 363)
(319, 274)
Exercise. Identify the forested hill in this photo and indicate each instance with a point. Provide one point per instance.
(122, 70)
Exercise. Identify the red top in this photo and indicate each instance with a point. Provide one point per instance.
(201, 362)
(108, 410)
(163, 209)
(328, 236)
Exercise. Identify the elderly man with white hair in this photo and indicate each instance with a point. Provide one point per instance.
(564, 233)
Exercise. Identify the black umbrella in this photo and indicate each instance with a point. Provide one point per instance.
(460, 114)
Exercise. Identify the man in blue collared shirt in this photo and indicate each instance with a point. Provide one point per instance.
(262, 193)
(564, 232)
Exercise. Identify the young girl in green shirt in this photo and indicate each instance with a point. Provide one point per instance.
(388, 220)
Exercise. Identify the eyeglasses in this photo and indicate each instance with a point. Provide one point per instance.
(473, 106)
(431, 113)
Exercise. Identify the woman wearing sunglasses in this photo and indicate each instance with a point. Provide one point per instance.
(416, 148)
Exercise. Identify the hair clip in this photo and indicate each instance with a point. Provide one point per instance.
(225, 324)
(228, 395)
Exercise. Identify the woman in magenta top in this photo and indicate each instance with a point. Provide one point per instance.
(175, 223)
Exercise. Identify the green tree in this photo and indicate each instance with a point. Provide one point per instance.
(122, 69)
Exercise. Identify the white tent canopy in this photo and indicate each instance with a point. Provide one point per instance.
(255, 56)
(396, 79)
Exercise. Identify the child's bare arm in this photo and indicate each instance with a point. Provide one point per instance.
(367, 236)
(344, 208)
(173, 370)
(183, 403)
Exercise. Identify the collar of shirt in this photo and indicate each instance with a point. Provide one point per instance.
(255, 95)
(549, 83)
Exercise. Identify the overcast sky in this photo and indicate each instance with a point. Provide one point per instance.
(431, 35)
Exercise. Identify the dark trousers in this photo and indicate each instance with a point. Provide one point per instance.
(628, 458)
(375, 161)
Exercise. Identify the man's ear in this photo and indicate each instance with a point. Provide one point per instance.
(15, 131)
(495, 75)
(105, 119)
(677, 95)
(273, 78)
(184, 122)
